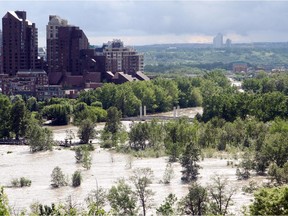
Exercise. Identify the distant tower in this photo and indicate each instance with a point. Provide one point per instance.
(218, 41)
(228, 43)
(20, 43)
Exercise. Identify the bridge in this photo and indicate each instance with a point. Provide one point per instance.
(150, 117)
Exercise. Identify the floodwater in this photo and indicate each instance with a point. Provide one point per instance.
(106, 168)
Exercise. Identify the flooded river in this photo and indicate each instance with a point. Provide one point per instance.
(106, 168)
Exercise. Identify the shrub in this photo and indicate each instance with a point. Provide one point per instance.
(58, 178)
(76, 179)
(22, 182)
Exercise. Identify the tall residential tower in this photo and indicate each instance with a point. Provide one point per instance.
(20, 43)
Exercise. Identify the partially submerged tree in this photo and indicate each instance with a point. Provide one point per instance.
(195, 202)
(141, 179)
(39, 139)
(58, 178)
(189, 161)
(122, 199)
(86, 131)
(168, 207)
(220, 196)
(96, 200)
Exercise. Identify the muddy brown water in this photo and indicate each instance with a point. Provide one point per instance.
(106, 168)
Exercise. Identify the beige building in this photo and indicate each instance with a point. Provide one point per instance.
(119, 58)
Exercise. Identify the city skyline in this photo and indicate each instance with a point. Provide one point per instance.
(134, 21)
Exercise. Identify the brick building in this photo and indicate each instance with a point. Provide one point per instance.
(1, 56)
(20, 43)
(119, 58)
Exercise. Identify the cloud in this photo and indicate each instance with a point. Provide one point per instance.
(176, 20)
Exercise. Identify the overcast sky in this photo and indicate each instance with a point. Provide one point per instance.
(171, 21)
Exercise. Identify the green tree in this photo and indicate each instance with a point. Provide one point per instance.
(270, 201)
(96, 201)
(76, 178)
(58, 178)
(87, 159)
(220, 196)
(58, 113)
(168, 207)
(4, 206)
(189, 159)
(86, 131)
(113, 130)
(32, 104)
(113, 123)
(5, 112)
(196, 201)
(141, 179)
(122, 199)
(19, 118)
(39, 139)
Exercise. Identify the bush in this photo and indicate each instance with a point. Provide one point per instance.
(22, 182)
(76, 179)
(58, 178)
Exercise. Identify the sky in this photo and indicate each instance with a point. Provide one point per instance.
(139, 22)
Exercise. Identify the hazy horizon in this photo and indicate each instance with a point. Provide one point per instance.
(161, 22)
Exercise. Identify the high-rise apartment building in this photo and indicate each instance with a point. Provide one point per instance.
(64, 43)
(218, 41)
(52, 36)
(20, 43)
(122, 59)
(1, 52)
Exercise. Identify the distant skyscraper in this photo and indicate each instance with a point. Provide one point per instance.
(228, 43)
(218, 41)
(20, 43)
(122, 59)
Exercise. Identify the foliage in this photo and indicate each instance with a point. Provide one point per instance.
(58, 178)
(122, 199)
(220, 196)
(189, 159)
(113, 129)
(76, 178)
(4, 205)
(5, 116)
(270, 201)
(195, 202)
(168, 173)
(141, 179)
(86, 131)
(87, 159)
(168, 207)
(22, 182)
(39, 139)
(278, 174)
(19, 118)
(58, 113)
(245, 166)
(96, 201)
